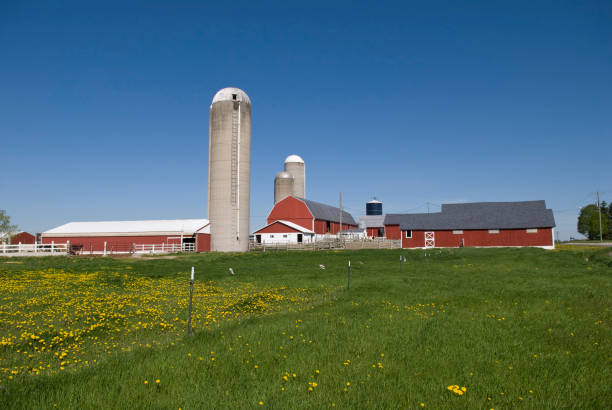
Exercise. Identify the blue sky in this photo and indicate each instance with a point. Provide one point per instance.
(104, 105)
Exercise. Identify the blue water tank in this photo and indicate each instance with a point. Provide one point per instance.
(374, 207)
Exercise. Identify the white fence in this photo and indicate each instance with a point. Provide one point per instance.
(165, 248)
(65, 248)
(52, 248)
(330, 243)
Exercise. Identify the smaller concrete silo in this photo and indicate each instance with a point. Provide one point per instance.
(283, 186)
(296, 167)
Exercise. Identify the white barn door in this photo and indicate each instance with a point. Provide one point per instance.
(430, 241)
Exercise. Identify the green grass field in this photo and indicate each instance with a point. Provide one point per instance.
(518, 328)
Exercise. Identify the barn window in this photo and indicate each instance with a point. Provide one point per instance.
(234, 96)
(409, 234)
(532, 230)
(458, 231)
(284, 236)
(271, 236)
(328, 226)
(493, 230)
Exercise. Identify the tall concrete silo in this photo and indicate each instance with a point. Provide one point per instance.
(283, 186)
(296, 167)
(229, 172)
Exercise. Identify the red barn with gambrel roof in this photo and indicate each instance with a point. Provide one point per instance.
(315, 216)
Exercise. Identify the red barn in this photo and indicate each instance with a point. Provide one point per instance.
(23, 238)
(121, 236)
(19, 237)
(478, 224)
(315, 216)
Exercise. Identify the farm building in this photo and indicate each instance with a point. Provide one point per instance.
(18, 237)
(281, 232)
(374, 225)
(317, 217)
(478, 224)
(125, 236)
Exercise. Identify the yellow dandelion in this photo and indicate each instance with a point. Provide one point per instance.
(157, 381)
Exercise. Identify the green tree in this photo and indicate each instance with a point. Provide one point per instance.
(588, 222)
(606, 212)
(5, 226)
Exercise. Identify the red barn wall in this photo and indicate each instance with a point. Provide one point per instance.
(373, 232)
(121, 243)
(392, 231)
(278, 227)
(417, 240)
(481, 237)
(292, 210)
(203, 242)
(24, 238)
(320, 227)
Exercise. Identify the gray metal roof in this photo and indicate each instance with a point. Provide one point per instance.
(372, 221)
(328, 212)
(479, 215)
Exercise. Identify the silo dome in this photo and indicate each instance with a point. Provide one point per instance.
(231, 94)
(294, 158)
(283, 186)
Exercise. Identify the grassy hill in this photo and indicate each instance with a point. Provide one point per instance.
(514, 327)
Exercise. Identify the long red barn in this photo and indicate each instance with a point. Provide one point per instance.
(479, 224)
(121, 236)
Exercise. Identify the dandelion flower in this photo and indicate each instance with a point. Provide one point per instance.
(157, 381)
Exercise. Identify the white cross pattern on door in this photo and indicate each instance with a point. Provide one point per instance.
(430, 241)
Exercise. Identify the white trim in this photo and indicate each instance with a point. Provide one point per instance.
(295, 226)
(547, 247)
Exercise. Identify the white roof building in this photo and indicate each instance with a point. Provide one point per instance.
(131, 228)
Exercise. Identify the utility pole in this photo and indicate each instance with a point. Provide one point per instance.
(599, 207)
(340, 230)
(428, 207)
